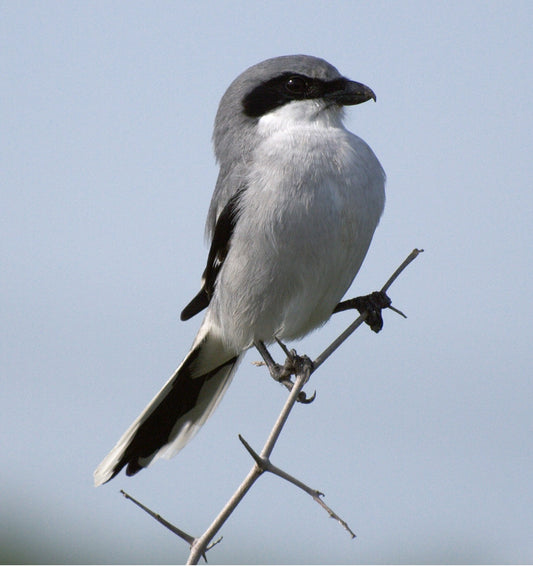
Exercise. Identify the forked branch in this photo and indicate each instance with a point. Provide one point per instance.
(302, 368)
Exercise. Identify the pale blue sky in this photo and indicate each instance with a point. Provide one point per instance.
(421, 436)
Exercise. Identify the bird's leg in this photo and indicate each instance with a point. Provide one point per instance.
(371, 305)
(282, 373)
(275, 369)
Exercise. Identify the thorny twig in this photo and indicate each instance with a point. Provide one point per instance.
(303, 368)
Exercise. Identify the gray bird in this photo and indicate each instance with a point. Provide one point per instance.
(296, 203)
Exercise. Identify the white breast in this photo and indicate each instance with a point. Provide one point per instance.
(315, 194)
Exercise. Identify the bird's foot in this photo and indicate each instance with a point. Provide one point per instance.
(371, 305)
(294, 364)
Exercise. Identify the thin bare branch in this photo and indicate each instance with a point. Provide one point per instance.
(182, 534)
(397, 311)
(267, 466)
(301, 367)
(360, 319)
(338, 341)
(199, 546)
(301, 378)
(413, 255)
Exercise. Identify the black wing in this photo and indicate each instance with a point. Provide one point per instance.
(217, 254)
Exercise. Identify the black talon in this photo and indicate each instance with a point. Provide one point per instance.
(303, 398)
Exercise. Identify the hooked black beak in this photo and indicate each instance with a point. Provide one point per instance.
(351, 93)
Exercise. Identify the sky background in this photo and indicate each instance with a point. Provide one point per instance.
(421, 437)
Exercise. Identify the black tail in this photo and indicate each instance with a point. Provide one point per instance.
(176, 413)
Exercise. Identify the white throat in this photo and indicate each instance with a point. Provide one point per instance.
(301, 114)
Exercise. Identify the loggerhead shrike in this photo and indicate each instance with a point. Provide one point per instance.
(296, 203)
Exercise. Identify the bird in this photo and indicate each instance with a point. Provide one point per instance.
(294, 209)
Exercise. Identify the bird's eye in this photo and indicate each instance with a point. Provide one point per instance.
(296, 85)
